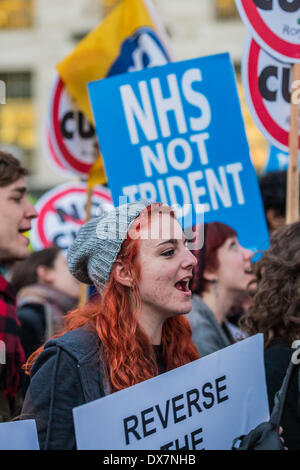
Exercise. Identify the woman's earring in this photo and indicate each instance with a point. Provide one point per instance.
(215, 286)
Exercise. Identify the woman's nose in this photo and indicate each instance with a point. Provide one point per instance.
(247, 253)
(189, 259)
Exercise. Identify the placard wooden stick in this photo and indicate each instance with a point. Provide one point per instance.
(292, 193)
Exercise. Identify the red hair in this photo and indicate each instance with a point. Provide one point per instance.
(215, 235)
(129, 355)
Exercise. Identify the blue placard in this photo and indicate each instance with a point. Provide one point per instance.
(175, 134)
(277, 160)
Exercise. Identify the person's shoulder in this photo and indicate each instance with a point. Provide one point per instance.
(278, 348)
(80, 343)
(200, 313)
(278, 353)
(30, 313)
(70, 349)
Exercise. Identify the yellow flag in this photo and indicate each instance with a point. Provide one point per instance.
(130, 38)
(96, 174)
(103, 51)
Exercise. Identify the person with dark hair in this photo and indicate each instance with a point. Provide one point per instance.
(16, 213)
(275, 312)
(273, 186)
(136, 257)
(219, 284)
(46, 291)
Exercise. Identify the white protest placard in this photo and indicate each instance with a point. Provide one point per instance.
(62, 211)
(72, 137)
(19, 435)
(202, 405)
(275, 26)
(52, 157)
(267, 84)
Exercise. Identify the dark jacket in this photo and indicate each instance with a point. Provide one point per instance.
(41, 310)
(11, 349)
(67, 374)
(277, 358)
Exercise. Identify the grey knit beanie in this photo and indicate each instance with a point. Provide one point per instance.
(98, 243)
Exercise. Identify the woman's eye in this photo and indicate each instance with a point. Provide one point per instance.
(168, 252)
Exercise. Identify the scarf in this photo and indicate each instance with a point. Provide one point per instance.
(10, 338)
(55, 302)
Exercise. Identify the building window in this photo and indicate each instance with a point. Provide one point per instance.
(226, 9)
(17, 114)
(16, 14)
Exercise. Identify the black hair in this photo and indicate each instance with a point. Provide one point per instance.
(25, 271)
(273, 191)
(11, 169)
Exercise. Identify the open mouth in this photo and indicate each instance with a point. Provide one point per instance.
(183, 285)
(248, 271)
(22, 232)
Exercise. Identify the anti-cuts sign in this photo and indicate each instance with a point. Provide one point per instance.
(175, 134)
(205, 404)
(275, 26)
(267, 84)
(54, 160)
(72, 138)
(62, 211)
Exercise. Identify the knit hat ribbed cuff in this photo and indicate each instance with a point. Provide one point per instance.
(98, 243)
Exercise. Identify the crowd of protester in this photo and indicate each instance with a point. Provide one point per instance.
(138, 326)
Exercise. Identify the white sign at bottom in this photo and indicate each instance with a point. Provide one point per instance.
(19, 435)
(202, 405)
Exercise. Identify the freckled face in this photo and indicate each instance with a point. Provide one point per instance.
(166, 268)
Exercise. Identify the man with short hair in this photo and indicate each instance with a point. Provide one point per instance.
(16, 213)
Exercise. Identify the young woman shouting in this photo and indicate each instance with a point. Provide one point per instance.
(137, 259)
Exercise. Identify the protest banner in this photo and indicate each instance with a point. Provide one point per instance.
(276, 160)
(62, 211)
(19, 435)
(202, 405)
(275, 26)
(181, 140)
(267, 85)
